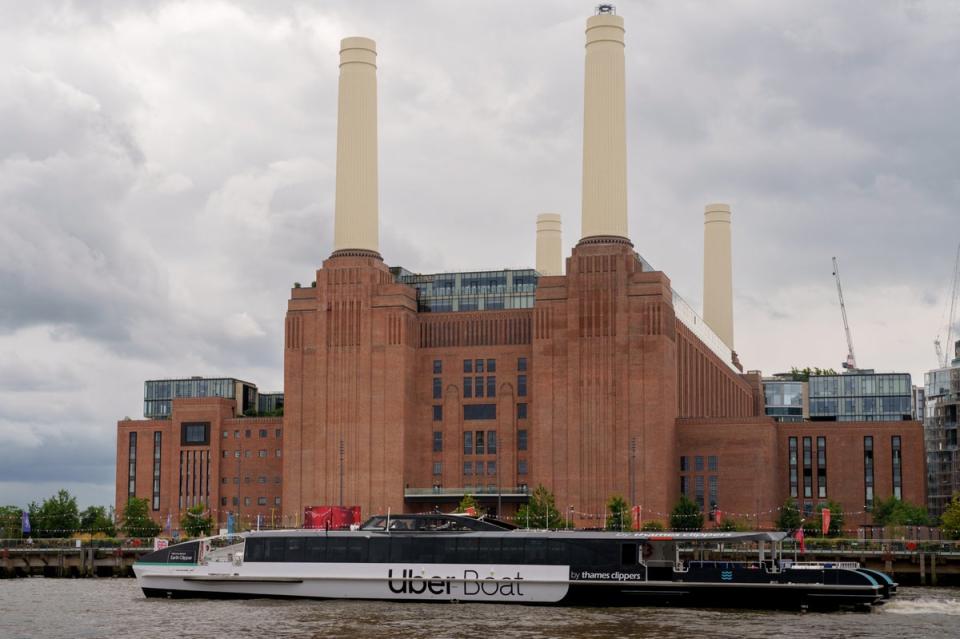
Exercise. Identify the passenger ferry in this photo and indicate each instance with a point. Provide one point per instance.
(440, 557)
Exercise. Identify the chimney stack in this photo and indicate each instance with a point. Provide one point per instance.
(604, 211)
(718, 272)
(549, 253)
(356, 225)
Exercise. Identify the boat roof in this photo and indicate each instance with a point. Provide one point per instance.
(665, 536)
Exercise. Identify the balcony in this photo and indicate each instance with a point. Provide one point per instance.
(509, 494)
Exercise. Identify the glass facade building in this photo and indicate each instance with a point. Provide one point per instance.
(269, 402)
(864, 396)
(470, 291)
(783, 399)
(940, 426)
(158, 394)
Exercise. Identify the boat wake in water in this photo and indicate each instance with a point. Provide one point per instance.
(924, 606)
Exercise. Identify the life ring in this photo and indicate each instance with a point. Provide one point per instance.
(647, 551)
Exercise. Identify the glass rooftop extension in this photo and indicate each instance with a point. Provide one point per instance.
(471, 291)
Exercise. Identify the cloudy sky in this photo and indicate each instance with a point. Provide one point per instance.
(167, 172)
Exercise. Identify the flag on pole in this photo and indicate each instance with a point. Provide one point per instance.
(24, 522)
(825, 516)
(799, 538)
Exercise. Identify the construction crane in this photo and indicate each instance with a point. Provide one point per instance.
(943, 359)
(851, 362)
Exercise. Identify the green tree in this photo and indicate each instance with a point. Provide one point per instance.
(654, 525)
(686, 515)
(196, 521)
(57, 516)
(950, 519)
(469, 501)
(97, 519)
(541, 511)
(10, 519)
(618, 517)
(136, 519)
(729, 524)
(894, 512)
(789, 517)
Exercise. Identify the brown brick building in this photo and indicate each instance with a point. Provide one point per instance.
(406, 391)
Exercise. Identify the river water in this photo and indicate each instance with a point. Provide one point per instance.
(95, 608)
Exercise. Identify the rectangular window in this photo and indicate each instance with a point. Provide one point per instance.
(521, 364)
(277, 433)
(698, 463)
(246, 501)
(522, 439)
(468, 366)
(521, 385)
(276, 501)
(479, 469)
(247, 433)
(195, 433)
(821, 467)
(226, 434)
(712, 482)
(157, 441)
(468, 442)
(491, 366)
(793, 467)
(807, 467)
(437, 441)
(479, 411)
(491, 468)
(437, 388)
(491, 442)
(491, 385)
(698, 491)
(276, 453)
(897, 466)
(467, 387)
(263, 433)
(236, 453)
(438, 413)
(684, 485)
(478, 366)
(262, 501)
(712, 463)
(437, 366)
(478, 438)
(868, 472)
(437, 468)
(478, 387)
(262, 479)
(684, 464)
(132, 470)
(521, 411)
(521, 466)
(467, 468)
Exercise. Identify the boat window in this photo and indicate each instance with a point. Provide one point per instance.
(489, 550)
(399, 549)
(558, 552)
(376, 523)
(316, 549)
(253, 550)
(379, 550)
(295, 549)
(511, 551)
(628, 555)
(467, 549)
(423, 550)
(535, 551)
(582, 553)
(357, 549)
(605, 553)
(274, 549)
(337, 549)
(446, 549)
